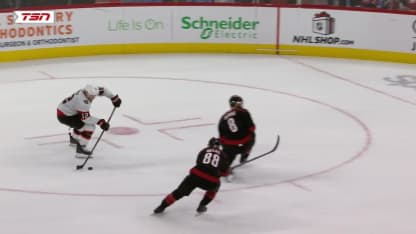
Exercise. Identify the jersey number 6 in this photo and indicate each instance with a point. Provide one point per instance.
(232, 125)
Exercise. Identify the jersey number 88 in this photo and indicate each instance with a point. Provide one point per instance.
(210, 158)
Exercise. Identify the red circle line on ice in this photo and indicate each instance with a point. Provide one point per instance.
(293, 181)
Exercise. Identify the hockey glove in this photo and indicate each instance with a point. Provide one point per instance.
(103, 124)
(116, 101)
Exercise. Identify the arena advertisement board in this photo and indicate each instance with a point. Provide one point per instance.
(129, 25)
(346, 29)
(255, 25)
(121, 25)
(209, 28)
(17, 35)
(88, 26)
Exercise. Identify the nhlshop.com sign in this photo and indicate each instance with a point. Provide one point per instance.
(230, 28)
(324, 25)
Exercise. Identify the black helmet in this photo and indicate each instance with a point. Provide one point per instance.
(236, 100)
(214, 142)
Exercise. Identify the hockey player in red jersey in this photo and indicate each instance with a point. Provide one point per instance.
(237, 130)
(211, 164)
(74, 111)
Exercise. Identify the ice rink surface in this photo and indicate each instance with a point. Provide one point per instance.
(346, 161)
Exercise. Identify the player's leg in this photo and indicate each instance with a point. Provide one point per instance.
(84, 136)
(231, 151)
(246, 150)
(211, 191)
(74, 137)
(75, 123)
(184, 189)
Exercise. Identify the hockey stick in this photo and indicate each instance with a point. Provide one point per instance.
(96, 143)
(259, 156)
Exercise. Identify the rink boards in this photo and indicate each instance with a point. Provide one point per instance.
(360, 34)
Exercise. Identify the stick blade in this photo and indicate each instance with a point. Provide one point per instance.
(261, 155)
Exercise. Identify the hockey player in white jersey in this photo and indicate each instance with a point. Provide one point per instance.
(74, 111)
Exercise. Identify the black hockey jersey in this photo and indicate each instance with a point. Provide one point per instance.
(211, 164)
(236, 127)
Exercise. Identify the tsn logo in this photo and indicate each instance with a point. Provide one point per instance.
(34, 17)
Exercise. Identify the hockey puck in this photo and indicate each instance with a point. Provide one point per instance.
(90, 168)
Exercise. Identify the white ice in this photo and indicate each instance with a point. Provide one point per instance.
(346, 161)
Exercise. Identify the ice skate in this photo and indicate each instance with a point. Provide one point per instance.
(201, 209)
(158, 210)
(243, 158)
(72, 141)
(82, 152)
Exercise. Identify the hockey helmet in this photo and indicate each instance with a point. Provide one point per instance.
(92, 90)
(214, 142)
(236, 100)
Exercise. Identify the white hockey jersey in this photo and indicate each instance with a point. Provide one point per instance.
(78, 103)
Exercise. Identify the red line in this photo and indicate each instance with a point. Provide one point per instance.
(300, 186)
(62, 142)
(188, 126)
(53, 142)
(278, 31)
(77, 194)
(48, 75)
(112, 144)
(164, 130)
(160, 122)
(44, 136)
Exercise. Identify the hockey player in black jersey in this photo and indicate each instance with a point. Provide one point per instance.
(211, 164)
(237, 131)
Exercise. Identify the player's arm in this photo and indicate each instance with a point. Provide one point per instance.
(250, 122)
(115, 99)
(224, 167)
(83, 109)
(87, 118)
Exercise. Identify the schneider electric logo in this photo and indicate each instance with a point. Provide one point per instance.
(229, 28)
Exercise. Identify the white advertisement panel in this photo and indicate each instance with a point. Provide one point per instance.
(346, 29)
(15, 36)
(120, 25)
(248, 25)
(125, 25)
(88, 26)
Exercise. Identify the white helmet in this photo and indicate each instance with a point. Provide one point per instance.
(92, 90)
